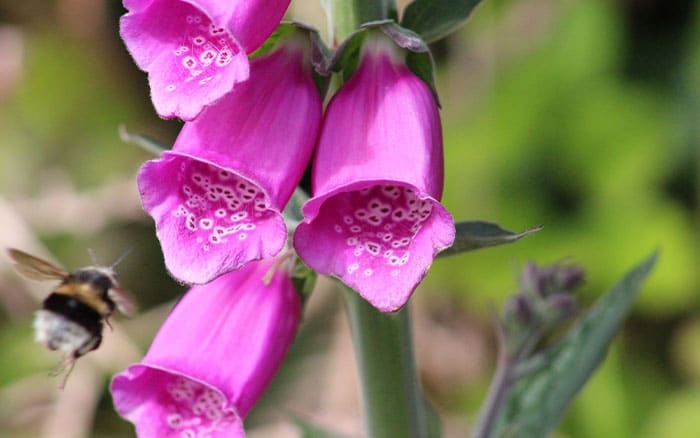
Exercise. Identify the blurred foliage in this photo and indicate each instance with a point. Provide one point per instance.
(580, 115)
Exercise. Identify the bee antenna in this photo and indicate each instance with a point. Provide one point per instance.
(122, 257)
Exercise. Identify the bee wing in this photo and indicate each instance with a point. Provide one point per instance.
(34, 267)
(123, 300)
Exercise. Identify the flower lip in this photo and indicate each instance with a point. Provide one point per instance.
(381, 237)
(209, 218)
(162, 402)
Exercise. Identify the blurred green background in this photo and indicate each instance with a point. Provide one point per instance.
(580, 115)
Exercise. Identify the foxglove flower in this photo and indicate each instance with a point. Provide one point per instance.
(195, 50)
(213, 357)
(375, 220)
(216, 196)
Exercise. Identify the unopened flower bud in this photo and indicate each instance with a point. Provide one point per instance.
(561, 307)
(568, 278)
(520, 309)
(549, 280)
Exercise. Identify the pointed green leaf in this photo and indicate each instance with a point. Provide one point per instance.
(435, 19)
(538, 401)
(473, 235)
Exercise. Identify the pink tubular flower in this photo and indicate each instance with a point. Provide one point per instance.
(216, 197)
(212, 358)
(195, 50)
(375, 220)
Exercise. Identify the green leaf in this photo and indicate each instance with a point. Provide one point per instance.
(145, 142)
(435, 19)
(538, 401)
(473, 235)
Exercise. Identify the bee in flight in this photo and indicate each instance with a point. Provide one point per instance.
(71, 317)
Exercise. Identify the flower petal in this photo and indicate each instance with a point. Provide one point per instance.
(383, 124)
(209, 219)
(162, 403)
(380, 240)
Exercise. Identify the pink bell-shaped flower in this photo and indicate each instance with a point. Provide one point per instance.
(216, 196)
(375, 220)
(195, 50)
(213, 357)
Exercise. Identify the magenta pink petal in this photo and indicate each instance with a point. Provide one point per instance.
(380, 241)
(209, 219)
(162, 403)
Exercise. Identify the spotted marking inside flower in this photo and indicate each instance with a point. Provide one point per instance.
(195, 410)
(202, 49)
(216, 205)
(378, 225)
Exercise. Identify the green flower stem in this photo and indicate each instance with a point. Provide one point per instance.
(393, 403)
(500, 385)
(345, 16)
(372, 10)
(342, 20)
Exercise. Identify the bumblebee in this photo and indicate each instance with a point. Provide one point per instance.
(71, 318)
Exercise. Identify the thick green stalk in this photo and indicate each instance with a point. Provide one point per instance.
(393, 404)
(345, 16)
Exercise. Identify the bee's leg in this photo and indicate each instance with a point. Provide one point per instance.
(61, 365)
(108, 323)
(70, 365)
(64, 366)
